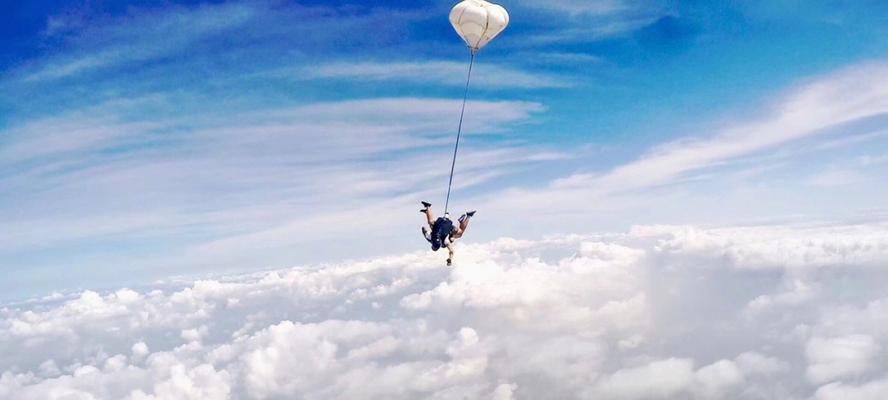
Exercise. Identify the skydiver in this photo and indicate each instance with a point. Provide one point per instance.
(441, 232)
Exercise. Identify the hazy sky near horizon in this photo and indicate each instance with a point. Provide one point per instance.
(144, 139)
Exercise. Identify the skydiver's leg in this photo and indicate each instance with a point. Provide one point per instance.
(427, 210)
(449, 253)
(463, 225)
(430, 217)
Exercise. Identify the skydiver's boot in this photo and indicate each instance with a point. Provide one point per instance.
(467, 215)
(425, 206)
(449, 262)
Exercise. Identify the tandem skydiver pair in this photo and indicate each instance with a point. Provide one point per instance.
(441, 232)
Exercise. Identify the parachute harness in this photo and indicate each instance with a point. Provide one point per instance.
(462, 114)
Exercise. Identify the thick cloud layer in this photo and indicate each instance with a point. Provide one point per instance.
(661, 312)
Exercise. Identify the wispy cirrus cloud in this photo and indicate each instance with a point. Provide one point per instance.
(211, 157)
(611, 8)
(828, 105)
(137, 38)
(145, 38)
(159, 127)
(852, 94)
(588, 21)
(280, 176)
(431, 72)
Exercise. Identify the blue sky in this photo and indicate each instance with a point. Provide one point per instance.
(140, 140)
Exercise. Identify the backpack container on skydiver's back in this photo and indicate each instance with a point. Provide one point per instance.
(440, 230)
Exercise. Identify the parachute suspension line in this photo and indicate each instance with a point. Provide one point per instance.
(462, 113)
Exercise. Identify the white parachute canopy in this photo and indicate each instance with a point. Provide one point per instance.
(478, 22)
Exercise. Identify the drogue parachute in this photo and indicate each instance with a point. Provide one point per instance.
(478, 22)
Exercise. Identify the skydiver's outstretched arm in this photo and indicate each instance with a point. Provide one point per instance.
(449, 252)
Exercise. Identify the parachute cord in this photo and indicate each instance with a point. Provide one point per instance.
(459, 132)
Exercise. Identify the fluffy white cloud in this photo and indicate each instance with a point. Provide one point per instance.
(845, 356)
(715, 381)
(757, 364)
(658, 380)
(659, 312)
(781, 247)
(873, 390)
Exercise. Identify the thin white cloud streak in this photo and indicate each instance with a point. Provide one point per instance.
(252, 167)
(873, 160)
(145, 36)
(430, 114)
(564, 58)
(792, 151)
(588, 7)
(587, 21)
(852, 94)
(56, 137)
(590, 31)
(431, 72)
(578, 316)
(835, 177)
(476, 168)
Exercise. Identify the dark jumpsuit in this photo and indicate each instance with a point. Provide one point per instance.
(441, 230)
